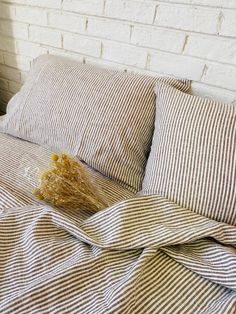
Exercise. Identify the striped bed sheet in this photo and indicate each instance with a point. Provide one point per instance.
(140, 255)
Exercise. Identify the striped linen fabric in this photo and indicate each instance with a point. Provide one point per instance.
(104, 117)
(192, 160)
(142, 255)
(21, 165)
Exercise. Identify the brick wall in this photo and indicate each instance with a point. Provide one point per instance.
(194, 39)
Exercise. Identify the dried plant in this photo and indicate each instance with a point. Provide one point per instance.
(68, 185)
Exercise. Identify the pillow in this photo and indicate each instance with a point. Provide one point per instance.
(104, 117)
(192, 160)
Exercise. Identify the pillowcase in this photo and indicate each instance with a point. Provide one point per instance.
(192, 160)
(102, 116)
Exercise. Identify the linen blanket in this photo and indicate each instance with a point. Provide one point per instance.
(140, 255)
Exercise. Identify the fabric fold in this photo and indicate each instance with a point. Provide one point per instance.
(204, 246)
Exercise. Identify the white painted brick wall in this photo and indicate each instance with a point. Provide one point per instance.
(29, 49)
(184, 66)
(124, 54)
(30, 15)
(14, 30)
(67, 21)
(20, 62)
(91, 7)
(201, 46)
(7, 43)
(82, 44)
(220, 75)
(9, 73)
(189, 18)
(108, 29)
(158, 38)
(228, 27)
(136, 11)
(43, 35)
(7, 11)
(213, 3)
(194, 39)
(55, 4)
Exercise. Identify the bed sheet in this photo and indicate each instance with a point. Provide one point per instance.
(139, 255)
(20, 163)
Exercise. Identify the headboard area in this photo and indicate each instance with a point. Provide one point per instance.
(193, 39)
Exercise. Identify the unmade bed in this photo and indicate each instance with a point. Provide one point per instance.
(145, 253)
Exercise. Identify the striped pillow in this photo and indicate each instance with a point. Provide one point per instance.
(104, 117)
(192, 160)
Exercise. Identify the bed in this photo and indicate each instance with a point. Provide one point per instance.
(148, 252)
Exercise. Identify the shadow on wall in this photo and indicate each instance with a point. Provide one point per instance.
(11, 67)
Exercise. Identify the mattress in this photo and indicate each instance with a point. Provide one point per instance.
(139, 255)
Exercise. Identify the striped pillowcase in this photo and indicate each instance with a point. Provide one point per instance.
(192, 160)
(104, 117)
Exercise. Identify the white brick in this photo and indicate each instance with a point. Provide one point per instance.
(23, 76)
(31, 15)
(54, 4)
(177, 65)
(93, 7)
(197, 19)
(14, 87)
(1, 58)
(4, 84)
(9, 73)
(211, 48)
(109, 23)
(65, 53)
(17, 61)
(139, 11)
(108, 29)
(45, 36)
(81, 44)
(16, 30)
(221, 75)
(15, 1)
(105, 64)
(7, 44)
(7, 11)
(214, 93)
(5, 97)
(124, 54)
(158, 38)
(216, 3)
(29, 49)
(228, 26)
(69, 22)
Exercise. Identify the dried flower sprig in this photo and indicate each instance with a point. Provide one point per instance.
(68, 185)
